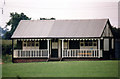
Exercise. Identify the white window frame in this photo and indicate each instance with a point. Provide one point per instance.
(106, 44)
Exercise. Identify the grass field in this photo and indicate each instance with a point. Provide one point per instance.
(62, 69)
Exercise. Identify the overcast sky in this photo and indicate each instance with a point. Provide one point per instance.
(61, 9)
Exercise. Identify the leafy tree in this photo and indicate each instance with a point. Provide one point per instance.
(116, 32)
(13, 22)
(47, 18)
(7, 35)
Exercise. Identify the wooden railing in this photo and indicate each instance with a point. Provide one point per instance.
(81, 53)
(31, 53)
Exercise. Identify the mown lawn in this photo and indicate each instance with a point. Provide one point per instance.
(61, 69)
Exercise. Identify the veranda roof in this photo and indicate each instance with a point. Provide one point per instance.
(60, 28)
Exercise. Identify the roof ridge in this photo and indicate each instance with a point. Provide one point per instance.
(69, 19)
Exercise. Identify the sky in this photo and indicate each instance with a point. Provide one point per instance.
(61, 9)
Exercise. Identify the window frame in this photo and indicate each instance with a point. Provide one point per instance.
(88, 43)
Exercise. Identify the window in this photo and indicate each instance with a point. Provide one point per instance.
(106, 44)
(37, 44)
(74, 44)
(101, 44)
(88, 43)
(54, 45)
(112, 43)
(33, 43)
(82, 43)
(43, 44)
(28, 43)
(19, 44)
(94, 40)
(24, 43)
(94, 44)
(65, 45)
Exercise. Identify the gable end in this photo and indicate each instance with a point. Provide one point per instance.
(107, 32)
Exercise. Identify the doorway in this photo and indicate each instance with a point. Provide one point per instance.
(54, 49)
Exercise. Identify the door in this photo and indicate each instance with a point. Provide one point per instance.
(54, 50)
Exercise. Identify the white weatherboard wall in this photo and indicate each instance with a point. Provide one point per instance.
(107, 32)
(106, 44)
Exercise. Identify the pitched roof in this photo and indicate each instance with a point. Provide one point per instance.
(60, 28)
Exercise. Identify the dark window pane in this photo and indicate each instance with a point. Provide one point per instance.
(86, 43)
(86, 40)
(95, 44)
(19, 44)
(24, 44)
(55, 40)
(81, 41)
(33, 43)
(90, 43)
(36, 44)
(74, 44)
(101, 44)
(65, 40)
(81, 44)
(43, 44)
(94, 40)
(28, 43)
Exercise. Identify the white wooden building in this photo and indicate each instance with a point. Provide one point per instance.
(43, 40)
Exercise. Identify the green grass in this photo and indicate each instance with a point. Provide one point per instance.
(62, 69)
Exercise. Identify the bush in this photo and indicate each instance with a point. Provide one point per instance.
(6, 58)
(6, 49)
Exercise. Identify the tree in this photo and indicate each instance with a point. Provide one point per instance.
(116, 32)
(13, 22)
(7, 35)
(47, 18)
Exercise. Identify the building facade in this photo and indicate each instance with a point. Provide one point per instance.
(45, 40)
